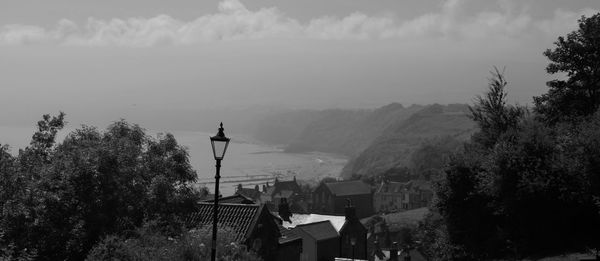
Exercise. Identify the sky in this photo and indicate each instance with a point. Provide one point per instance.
(152, 60)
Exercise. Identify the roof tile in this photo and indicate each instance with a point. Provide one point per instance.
(239, 217)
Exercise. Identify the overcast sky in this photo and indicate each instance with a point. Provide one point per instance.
(106, 58)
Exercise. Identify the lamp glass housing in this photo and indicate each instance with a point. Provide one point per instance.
(219, 144)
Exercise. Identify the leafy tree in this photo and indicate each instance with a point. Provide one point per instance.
(491, 113)
(577, 56)
(522, 188)
(93, 184)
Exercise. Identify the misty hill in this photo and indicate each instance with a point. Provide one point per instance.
(348, 132)
(341, 131)
(397, 143)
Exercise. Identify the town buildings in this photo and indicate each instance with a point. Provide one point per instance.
(331, 198)
(402, 196)
(267, 222)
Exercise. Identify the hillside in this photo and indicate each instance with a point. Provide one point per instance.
(348, 132)
(398, 142)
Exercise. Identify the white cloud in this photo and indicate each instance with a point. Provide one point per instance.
(234, 21)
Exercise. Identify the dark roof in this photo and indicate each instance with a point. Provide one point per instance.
(239, 217)
(234, 199)
(319, 230)
(249, 192)
(279, 186)
(346, 188)
(287, 185)
(395, 187)
(287, 235)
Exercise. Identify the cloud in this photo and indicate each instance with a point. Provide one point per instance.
(233, 21)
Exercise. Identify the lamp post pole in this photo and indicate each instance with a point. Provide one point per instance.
(219, 145)
(213, 254)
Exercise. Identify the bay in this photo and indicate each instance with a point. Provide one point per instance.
(246, 162)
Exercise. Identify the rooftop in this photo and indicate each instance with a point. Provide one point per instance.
(301, 219)
(239, 217)
(346, 188)
(287, 235)
(319, 230)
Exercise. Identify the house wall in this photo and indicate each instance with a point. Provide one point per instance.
(399, 201)
(309, 246)
(322, 200)
(264, 238)
(327, 250)
(357, 231)
(290, 251)
(362, 203)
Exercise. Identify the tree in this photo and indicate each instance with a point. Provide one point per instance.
(93, 184)
(491, 113)
(577, 56)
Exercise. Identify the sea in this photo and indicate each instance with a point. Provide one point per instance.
(247, 162)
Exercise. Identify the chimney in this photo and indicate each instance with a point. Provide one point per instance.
(256, 188)
(284, 210)
(239, 187)
(394, 252)
(294, 178)
(350, 211)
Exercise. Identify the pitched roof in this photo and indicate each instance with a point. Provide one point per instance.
(240, 217)
(249, 192)
(396, 187)
(346, 188)
(319, 230)
(234, 199)
(301, 219)
(287, 185)
(287, 235)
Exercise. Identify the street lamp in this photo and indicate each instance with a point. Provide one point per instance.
(219, 145)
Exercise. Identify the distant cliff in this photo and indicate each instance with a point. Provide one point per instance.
(348, 132)
(376, 140)
(340, 131)
(395, 146)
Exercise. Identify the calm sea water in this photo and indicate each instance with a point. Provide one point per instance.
(246, 162)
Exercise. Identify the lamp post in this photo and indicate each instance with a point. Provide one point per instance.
(219, 145)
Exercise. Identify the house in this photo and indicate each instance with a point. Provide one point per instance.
(320, 241)
(330, 198)
(253, 224)
(282, 189)
(290, 245)
(402, 196)
(353, 236)
(252, 193)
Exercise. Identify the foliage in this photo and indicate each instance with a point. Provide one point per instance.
(492, 114)
(150, 244)
(64, 197)
(577, 57)
(520, 188)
